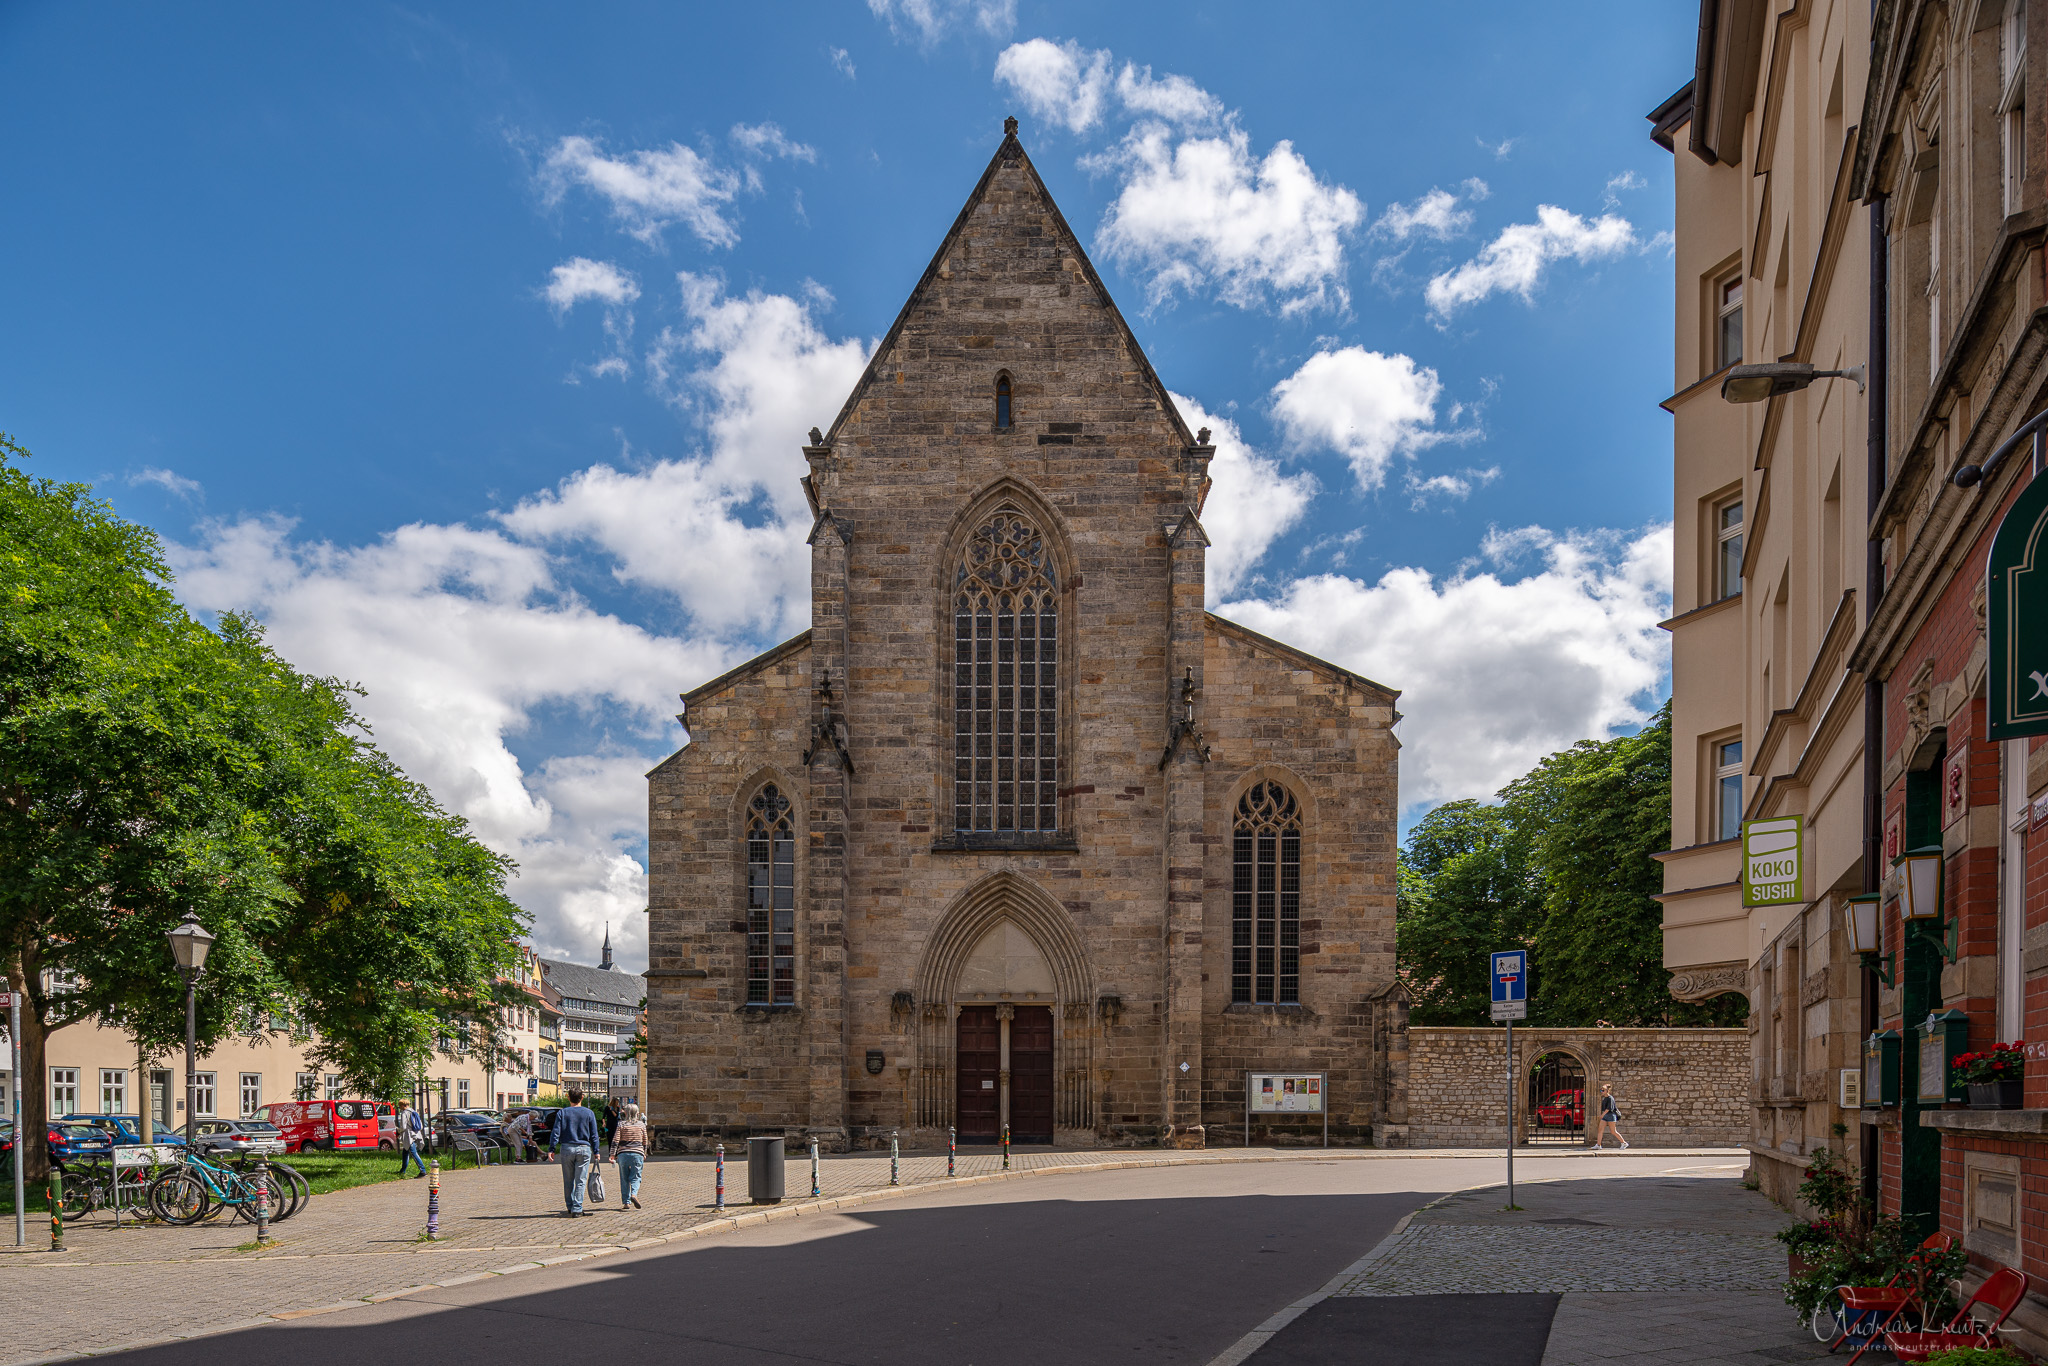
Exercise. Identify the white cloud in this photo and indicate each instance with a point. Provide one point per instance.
(1061, 83)
(1366, 406)
(465, 637)
(1514, 261)
(841, 61)
(168, 480)
(1436, 215)
(723, 533)
(1251, 502)
(1499, 149)
(1451, 487)
(768, 140)
(648, 190)
(930, 20)
(1496, 671)
(1204, 213)
(1627, 180)
(459, 635)
(580, 278)
(1173, 98)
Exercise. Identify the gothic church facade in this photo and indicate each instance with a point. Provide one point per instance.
(1018, 834)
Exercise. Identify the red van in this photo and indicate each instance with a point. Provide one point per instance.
(329, 1124)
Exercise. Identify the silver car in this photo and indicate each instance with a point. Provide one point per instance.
(235, 1137)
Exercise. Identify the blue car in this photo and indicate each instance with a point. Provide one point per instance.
(125, 1130)
(68, 1141)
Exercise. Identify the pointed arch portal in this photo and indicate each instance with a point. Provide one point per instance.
(1005, 1031)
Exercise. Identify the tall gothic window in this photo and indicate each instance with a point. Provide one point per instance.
(1003, 401)
(771, 899)
(1005, 680)
(1265, 898)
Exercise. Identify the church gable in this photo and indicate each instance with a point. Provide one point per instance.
(1010, 307)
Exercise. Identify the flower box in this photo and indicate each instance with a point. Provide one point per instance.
(1995, 1095)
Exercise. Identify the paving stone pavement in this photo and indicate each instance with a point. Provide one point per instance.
(113, 1288)
(1652, 1269)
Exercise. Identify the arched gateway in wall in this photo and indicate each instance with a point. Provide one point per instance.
(1005, 1027)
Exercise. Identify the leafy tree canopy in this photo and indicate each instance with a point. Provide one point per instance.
(151, 767)
(1561, 865)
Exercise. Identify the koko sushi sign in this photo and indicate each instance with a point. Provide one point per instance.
(1772, 861)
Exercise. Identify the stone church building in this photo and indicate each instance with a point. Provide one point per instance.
(1017, 832)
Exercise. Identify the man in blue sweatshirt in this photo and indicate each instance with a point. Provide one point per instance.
(573, 1135)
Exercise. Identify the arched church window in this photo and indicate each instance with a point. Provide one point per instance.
(1005, 679)
(1003, 401)
(771, 899)
(1265, 897)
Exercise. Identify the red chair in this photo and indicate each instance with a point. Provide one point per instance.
(2000, 1293)
(1870, 1311)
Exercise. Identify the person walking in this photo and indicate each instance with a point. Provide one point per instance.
(1610, 1118)
(611, 1120)
(405, 1132)
(573, 1134)
(629, 1150)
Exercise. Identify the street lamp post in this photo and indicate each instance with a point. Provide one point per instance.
(189, 943)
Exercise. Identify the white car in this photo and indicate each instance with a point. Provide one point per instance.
(235, 1137)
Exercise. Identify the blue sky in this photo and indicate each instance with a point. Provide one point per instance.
(471, 346)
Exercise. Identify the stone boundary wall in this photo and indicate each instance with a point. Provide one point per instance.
(1676, 1087)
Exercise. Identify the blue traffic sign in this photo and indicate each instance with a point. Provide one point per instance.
(1511, 975)
(532, 1085)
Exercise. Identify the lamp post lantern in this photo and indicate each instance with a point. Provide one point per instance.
(1866, 935)
(189, 945)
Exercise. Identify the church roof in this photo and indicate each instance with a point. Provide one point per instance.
(736, 673)
(1008, 151)
(1299, 656)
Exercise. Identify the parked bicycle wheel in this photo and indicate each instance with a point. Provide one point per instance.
(179, 1197)
(84, 1192)
(300, 1189)
(247, 1188)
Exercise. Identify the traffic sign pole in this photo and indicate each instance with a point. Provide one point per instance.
(1510, 973)
(1511, 1113)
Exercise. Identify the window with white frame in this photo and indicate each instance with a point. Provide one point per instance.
(1727, 549)
(462, 1094)
(203, 1101)
(63, 1091)
(252, 1094)
(113, 1090)
(333, 1086)
(2012, 900)
(1728, 322)
(305, 1086)
(1727, 789)
(2012, 101)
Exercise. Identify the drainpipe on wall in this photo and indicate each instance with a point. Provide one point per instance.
(1873, 589)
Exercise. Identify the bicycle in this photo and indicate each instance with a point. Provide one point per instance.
(197, 1189)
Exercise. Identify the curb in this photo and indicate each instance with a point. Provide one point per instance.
(751, 1217)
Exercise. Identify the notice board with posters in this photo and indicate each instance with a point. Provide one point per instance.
(1286, 1093)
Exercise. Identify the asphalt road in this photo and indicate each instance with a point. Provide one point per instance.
(1161, 1265)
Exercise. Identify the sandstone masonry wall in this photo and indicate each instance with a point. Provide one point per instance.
(1675, 1087)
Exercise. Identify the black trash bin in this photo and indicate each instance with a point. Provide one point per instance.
(764, 1169)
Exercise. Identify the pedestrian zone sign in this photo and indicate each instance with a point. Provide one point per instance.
(1771, 858)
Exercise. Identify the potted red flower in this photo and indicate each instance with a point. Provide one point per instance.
(1993, 1076)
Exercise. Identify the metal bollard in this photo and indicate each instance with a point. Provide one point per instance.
(718, 1190)
(1006, 1147)
(952, 1141)
(894, 1154)
(56, 1210)
(263, 1199)
(434, 1198)
(815, 1190)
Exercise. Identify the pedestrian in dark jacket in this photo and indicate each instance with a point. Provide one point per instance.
(611, 1122)
(573, 1134)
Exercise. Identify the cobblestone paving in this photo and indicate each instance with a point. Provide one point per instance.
(1653, 1269)
(115, 1289)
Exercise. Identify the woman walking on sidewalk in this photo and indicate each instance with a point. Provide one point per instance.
(629, 1150)
(1610, 1118)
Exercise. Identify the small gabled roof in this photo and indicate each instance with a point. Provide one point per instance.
(737, 672)
(1301, 657)
(1010, 150)
(585, 983)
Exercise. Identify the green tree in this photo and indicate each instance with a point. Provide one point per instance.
(150, 767)
(1562, 865)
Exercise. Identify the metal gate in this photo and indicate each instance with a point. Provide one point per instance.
(1557, 1099)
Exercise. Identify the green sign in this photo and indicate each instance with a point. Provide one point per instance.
(2017, 609)
(1771, 861)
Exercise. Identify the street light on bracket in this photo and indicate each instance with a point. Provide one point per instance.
(1866, 935)
(1755, 383)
